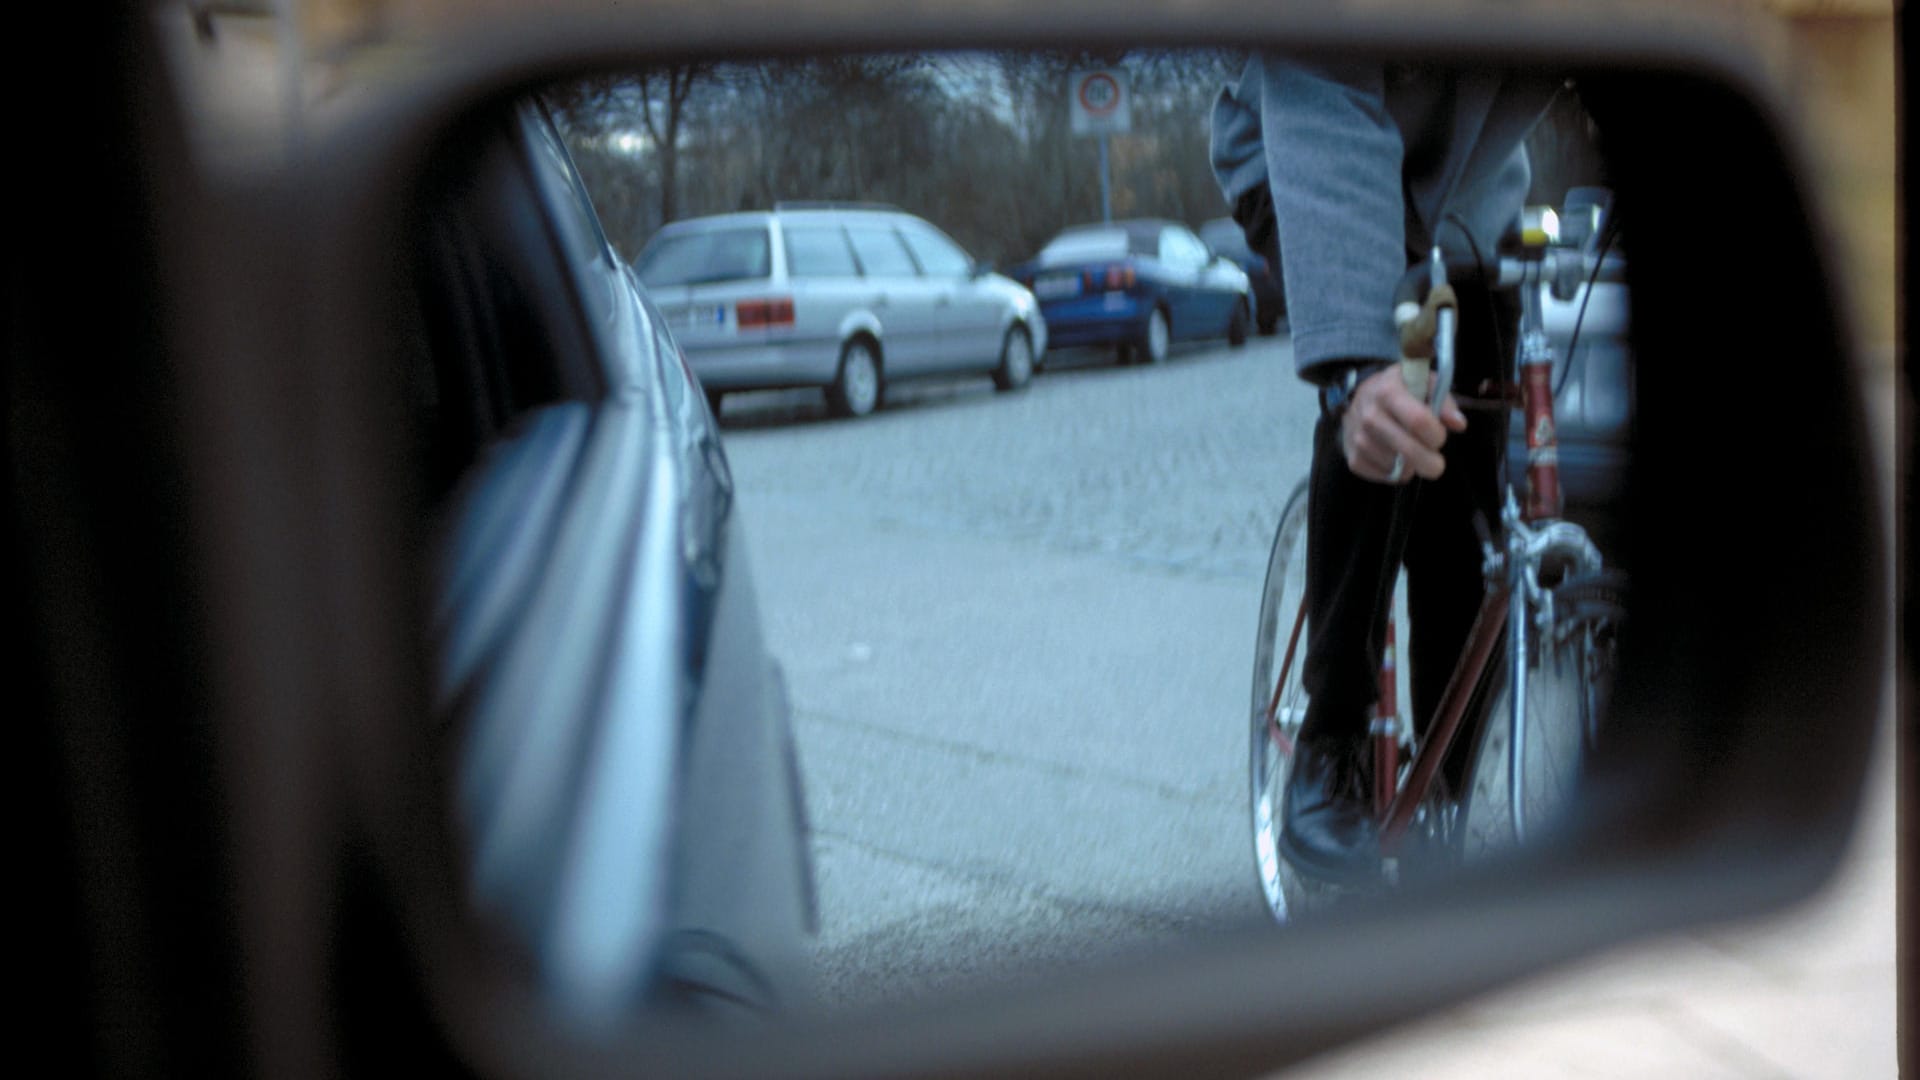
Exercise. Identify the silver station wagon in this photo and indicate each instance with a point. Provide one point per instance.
(841, 296)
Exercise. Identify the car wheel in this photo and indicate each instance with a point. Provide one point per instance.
(857, 386)
(1153, 345)
(1237, 324)
(1016, 360)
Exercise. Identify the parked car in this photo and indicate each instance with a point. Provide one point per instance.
(844, 297)
(1227, 240)
(1139, 285)
(622, 769)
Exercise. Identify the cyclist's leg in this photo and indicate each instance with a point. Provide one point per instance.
(1350, 570)
(1328, 830)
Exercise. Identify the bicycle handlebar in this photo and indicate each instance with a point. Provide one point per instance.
(1564, 268)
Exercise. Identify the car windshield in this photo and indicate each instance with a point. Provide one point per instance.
(1225, 238)
(705, 257)
(1081, 245)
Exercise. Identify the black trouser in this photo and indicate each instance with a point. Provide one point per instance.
(1354, 550)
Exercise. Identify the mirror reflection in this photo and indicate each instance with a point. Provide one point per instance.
(913, 522)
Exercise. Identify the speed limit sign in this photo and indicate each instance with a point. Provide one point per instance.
(1099, 102)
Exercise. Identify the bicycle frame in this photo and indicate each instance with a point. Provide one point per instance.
(1533, 537)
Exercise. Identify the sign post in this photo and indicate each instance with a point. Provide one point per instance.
(1099, 105)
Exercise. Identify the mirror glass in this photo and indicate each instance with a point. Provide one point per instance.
(876, 507)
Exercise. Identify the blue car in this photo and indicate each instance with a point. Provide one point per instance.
(1139, 286)
(1227, 240)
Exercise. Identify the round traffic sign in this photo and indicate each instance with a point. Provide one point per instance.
(1099, 93)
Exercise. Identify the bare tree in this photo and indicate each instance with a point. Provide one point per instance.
(595, 116)
(664, 93)
(978, 144)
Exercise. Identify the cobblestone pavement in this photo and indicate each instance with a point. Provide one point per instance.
(1184, 465)
(1017, 630)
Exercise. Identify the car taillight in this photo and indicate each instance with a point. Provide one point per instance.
(757, 314)
(1118, 276)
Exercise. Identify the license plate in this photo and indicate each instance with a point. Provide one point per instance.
(1054, 286)
(698, 317)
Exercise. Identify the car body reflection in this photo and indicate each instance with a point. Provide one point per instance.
(625, 769)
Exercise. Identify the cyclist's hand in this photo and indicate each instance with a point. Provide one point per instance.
(1384, 422)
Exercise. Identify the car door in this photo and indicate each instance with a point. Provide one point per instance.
(826, 286)
(1223, 284)
(970, 310)
(907, 304)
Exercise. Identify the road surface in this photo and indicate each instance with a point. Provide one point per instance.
(1017, 630)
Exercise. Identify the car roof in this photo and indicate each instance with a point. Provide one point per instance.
(1143, 234)
(809, 211)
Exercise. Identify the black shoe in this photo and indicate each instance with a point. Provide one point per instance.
(1328, 832)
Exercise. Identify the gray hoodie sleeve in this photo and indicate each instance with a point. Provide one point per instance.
(1330, 138)
(1333, 156)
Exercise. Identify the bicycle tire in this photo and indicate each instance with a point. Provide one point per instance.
(1282, 596)
(1570, 675)
(1289, 894)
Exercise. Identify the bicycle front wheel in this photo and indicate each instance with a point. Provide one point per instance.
(1279, 701)
(1569, 679)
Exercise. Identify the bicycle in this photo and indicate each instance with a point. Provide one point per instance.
(1547, 593)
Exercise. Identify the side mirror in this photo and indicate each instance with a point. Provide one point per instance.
(269, 520)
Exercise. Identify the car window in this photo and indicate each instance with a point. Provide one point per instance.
(937, 255)
(816, 251)
(881, 253)
(500, 300)
(1226, 238)
(1178, 247)
(1202, 255)
(1085, 244)
(706, 257)
(570, 209)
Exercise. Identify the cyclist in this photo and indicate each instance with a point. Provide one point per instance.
(1356, 171)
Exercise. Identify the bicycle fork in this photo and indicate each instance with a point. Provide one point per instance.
(1445, 728)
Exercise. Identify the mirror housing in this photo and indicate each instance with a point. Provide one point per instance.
(288, 583)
